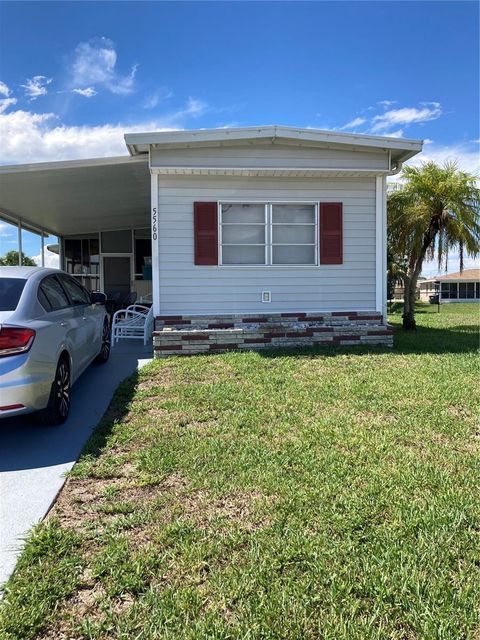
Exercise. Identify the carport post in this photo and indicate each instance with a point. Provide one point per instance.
(43, 248)
(19, 243)
(154, 229)
(60, 252)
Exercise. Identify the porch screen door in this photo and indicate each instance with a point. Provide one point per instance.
(117, 272)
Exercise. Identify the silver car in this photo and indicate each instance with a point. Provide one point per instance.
(51, 329)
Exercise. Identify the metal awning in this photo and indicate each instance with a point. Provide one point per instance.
(78, 196)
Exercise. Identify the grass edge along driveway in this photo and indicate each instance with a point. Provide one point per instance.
(282, 495)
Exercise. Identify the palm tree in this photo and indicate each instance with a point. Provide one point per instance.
(434, 212)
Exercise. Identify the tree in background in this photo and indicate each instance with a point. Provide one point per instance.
(435, 211)
(10, 259)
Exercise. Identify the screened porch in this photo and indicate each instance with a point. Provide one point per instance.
(88, 217)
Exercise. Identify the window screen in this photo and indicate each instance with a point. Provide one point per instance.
(243, 234)
(269, 234)
(449, 290)
(294, 235)
(117, 241)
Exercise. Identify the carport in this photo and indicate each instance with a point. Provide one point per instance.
(92, 206)
(99, 209)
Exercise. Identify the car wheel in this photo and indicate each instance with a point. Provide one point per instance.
(105, 350)
(58, 406)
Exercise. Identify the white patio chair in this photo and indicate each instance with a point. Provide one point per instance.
(146, 299)
(136, 322)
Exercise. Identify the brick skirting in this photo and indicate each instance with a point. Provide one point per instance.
(187, 335)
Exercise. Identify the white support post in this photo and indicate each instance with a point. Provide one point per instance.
(155, 234)
(43, 248)
(61, 254)
(384, 236)
(19, 244)
(381, 247)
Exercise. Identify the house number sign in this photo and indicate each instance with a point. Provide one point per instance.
(154, 223)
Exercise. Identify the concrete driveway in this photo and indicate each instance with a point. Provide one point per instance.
(34, 458)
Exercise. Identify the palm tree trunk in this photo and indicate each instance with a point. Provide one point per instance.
(409, 323)
(414, 271)
(410, 295)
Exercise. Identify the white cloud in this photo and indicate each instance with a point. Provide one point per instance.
(36, 87)
(356, 122)
(88, 92)
(4, 90)
(194, 107)
(160, 95)
(8, 230)
(392, 122)
(463, 154)
(7, 102)
(395, 134)
(406, 115)
(94, 65)
(35, 137)
(52, 260)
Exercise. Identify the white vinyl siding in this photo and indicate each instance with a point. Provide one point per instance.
(189, 289)
(269, 155)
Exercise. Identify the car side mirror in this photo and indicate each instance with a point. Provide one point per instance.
(98, 298)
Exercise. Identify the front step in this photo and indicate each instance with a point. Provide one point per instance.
(187, 335)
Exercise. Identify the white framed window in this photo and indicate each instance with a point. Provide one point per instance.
(268, 233)
(243, 233)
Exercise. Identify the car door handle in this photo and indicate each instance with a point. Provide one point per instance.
(63, 324)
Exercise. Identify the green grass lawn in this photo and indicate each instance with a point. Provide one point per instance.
(284, 495)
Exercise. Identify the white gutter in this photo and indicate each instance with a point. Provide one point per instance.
(397, 169)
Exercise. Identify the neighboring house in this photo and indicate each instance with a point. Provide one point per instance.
(460, 286)
(399, 291)
(427, 287)
(270, 226)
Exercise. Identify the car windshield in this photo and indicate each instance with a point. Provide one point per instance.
(10, 292)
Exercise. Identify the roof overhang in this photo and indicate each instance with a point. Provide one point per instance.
(77, 196)
(86, 196)
(401, 149)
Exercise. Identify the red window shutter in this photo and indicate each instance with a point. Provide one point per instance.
(205, 228)
(331, 233)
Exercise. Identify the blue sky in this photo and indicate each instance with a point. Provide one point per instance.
(75, 76)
